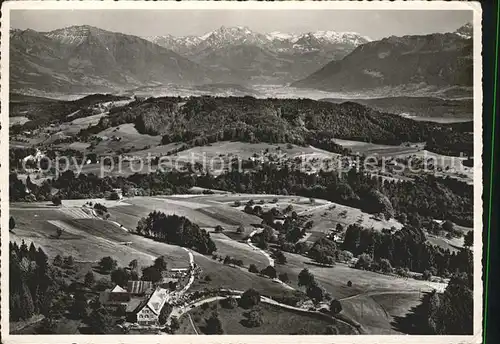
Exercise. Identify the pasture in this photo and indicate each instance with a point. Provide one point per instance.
(205, 213)
(130, 138)
(276, 320)
(18, 120)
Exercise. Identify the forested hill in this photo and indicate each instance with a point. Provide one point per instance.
(201, 120)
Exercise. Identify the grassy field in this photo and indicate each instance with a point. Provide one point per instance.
(275, 321)
(225, 276)
(204, 213)
(239, 250)
(382, 150)
(18, 120)
(326, 217)
(87, 239)
(130, 139)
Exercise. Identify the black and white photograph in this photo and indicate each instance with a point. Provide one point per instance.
(247, 170)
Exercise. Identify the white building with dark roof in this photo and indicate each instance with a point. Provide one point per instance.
(148, 311)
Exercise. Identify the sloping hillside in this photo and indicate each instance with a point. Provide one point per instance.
(436, 60)
(84, 58)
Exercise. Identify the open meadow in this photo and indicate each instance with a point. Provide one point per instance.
(88, 238)
(276, 320)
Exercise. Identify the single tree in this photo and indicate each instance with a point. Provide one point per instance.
(335, 306)
(214, 325)
(120, 277)
(58, 261)
(160, 263)
(254, 318)
(174, 324)
(89, 279)
(229, 302)
(269, 271)
(315, 292)
(469, 239)
(107, 264)
(56, 200)
(305, 278)
(100, 322)
(284, 277)
(250, 298)
(151, 274)
(133, 264)
(69, 262)
(12, 223)
(253, 268)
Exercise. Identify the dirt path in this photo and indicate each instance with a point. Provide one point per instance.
(249, 242)
(192, 323)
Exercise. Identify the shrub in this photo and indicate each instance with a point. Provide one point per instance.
(426, 275)
(254, 318)
(89, 279)
(237, 203)
(253, 268)
(219, 229)
(385, 265)
(107, 264)
(335, 306)
(349, 283)
(214, 325)
(174, 324)
(306, 278)
(284, 277)
(229, 302)
(114, 196)
(69, 262)
(56, 200)
(250, 298)
(364, 262)
(269, 271)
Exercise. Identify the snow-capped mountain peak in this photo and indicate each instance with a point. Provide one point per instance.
(465, 31)
(274, 41)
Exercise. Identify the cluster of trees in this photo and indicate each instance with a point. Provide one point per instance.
(176, 230)
(202, 120)
(315, 292)
(406, 248)
(33, 283)
(324, 251)
(233, 261)
(449, 313)
(427, 197)
(43, 111)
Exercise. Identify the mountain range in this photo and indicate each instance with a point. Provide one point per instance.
(435, 61)
(81, 59)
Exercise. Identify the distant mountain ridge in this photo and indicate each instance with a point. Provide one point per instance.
(275, 41)
(83, 58)
(419, 61)
(263, 58)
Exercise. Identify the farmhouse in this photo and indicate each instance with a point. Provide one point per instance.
(114, 297)
(148, 311)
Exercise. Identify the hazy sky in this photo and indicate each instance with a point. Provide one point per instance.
(373, 23)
